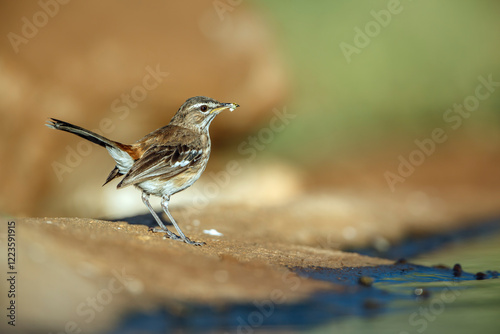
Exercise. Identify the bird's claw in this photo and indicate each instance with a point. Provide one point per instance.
(194, 243)
(173, 236)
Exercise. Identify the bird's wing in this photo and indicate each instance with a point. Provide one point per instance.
(166, 161)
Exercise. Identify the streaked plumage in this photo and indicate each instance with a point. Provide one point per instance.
(167, 160)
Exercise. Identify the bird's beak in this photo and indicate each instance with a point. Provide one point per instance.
(230, 106)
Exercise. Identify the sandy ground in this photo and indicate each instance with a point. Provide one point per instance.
(88, 273)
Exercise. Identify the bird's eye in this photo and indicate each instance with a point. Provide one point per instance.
(203, 108)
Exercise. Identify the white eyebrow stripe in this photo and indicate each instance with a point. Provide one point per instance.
(210, 104)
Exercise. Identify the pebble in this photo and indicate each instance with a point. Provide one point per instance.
(480, 276)
(423, 293)
(457, 270)
(365, 281)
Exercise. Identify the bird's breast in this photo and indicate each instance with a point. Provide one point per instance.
(161, 187)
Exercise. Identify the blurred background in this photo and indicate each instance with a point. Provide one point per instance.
(336, 97)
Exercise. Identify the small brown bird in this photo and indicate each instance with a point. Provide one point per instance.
(167, 160)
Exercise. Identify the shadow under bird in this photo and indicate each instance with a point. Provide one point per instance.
(164, 162)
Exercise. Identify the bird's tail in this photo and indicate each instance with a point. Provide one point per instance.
(84, 133)
(123, 154)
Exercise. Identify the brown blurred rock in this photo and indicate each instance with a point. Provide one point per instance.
(79, 61)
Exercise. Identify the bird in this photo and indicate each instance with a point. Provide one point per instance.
(165, 161)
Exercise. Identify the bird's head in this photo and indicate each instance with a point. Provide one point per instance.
(200, 111)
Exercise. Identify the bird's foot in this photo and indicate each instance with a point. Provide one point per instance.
(173, 236)
(168, 233)
(158, 229)
(194, 243)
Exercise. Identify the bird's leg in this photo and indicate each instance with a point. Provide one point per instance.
(164, 203)
(163, 228)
